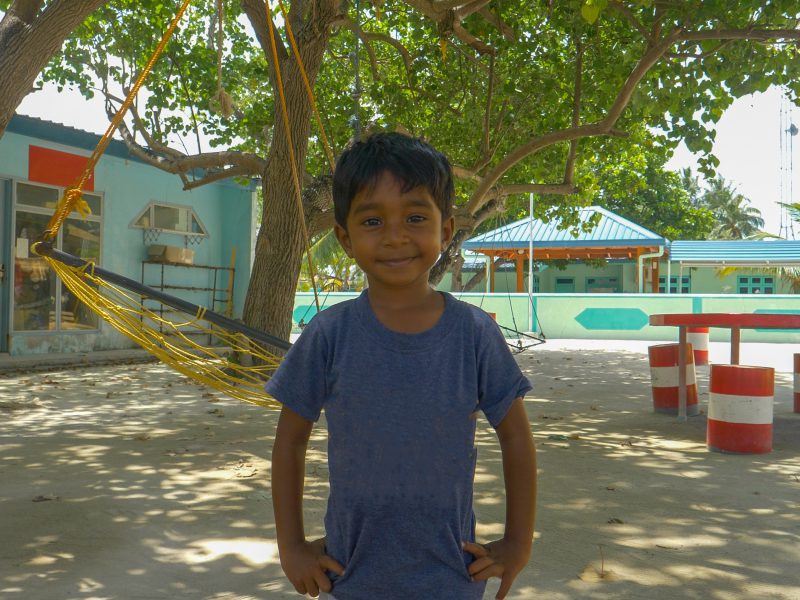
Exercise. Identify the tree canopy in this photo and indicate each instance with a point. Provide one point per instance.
(655, 199)
(524, 97)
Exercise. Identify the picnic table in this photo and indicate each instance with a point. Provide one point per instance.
(733, 321)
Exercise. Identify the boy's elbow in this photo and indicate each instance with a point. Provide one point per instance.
(515, 427)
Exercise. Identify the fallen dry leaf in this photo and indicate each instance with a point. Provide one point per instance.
(44, 498)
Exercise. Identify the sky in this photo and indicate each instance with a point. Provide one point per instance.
(748, 146)
(748, 143)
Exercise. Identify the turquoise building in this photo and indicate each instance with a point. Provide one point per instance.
(197, 244)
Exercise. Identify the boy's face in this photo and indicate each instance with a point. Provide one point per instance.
(395, 237)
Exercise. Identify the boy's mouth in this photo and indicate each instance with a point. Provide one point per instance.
(396, 262)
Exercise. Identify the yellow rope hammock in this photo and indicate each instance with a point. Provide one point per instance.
(238, 359)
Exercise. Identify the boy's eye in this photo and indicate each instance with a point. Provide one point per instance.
(371, 222)
(416, 219)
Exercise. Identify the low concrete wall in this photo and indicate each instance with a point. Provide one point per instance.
(603, 316)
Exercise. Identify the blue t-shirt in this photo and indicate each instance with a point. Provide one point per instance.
(400, 410)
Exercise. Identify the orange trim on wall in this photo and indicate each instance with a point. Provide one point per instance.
(57, 168)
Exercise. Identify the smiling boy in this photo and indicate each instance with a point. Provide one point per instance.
(401, 373)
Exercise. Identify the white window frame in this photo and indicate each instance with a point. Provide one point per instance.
(149, 210)
(17, 206)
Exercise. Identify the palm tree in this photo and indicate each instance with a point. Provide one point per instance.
(691, 183)
(334, 270)
(736, 219)
(790, 275)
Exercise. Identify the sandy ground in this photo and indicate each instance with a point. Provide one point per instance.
(132, 482)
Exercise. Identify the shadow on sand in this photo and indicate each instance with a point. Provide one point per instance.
(132, 482)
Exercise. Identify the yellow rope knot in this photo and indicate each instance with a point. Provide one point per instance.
(74, 198)
(88, 267)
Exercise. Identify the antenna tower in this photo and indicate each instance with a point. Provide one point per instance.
(788, 131)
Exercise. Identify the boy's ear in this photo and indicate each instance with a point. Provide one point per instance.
(448, 231)
(344, 239)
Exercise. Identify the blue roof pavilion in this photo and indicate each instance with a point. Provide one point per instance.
(735, 253)
(613, 237)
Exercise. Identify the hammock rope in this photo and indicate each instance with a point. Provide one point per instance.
(119, 301)
(72, 199)
(290, 145)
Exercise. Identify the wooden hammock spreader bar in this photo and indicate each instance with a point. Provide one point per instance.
(46, 249)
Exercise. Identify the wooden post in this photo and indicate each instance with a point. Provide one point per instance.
(656, 274)
(492, 258)
(520, 269)
(229, 310)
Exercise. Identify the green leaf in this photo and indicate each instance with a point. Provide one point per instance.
(591, 10)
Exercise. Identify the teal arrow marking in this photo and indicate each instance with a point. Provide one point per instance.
(620, 319)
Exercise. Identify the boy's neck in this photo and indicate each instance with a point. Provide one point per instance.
(408, 310)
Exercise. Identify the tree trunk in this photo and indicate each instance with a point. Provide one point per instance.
(455, 270)
(281, 244)
(28, 40)
(478, 279)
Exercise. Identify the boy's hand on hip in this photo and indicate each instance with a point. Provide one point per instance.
(305, 565)
(501, 558)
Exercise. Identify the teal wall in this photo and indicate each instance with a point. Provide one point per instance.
(225, 208)
(505, 280)
(707, 280)
(604, 316)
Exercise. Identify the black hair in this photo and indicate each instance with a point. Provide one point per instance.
(413, 162)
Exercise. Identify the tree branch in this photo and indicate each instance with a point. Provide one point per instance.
(448, 15)
(469, 39)
(242, 163)
(460, 172)
(740, 34)
(367, 36)
(501, 26)
(24, 10)
(238, 171)
(256, 12)
(444, 5)
(426, 94)
(487, 113)
(467, 9)
(569, 166)
(602, 127)
(702, 55)
(559, 189)
(631, 18)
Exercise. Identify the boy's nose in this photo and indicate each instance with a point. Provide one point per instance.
(394, 233)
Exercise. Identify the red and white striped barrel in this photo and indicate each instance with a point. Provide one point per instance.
(698, 338)
(797, 383)
(740, 409)
(664, 378)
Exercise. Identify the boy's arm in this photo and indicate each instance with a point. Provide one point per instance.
(304, 563)
(506, 557)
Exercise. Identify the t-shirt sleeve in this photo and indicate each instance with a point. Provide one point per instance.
(300, 382)
(500, 380)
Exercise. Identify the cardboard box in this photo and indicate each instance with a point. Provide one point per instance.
(170, 254)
